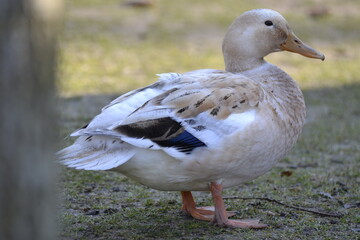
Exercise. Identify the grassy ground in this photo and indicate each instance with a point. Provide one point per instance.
(108, 49)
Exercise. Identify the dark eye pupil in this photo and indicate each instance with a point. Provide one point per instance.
(268, 23)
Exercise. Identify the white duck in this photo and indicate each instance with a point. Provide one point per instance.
(206, 129)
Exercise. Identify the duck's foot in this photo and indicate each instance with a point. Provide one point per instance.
(218, 214)
(221, 218)
(200, 213)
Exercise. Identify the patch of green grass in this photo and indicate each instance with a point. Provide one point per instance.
(110, 49)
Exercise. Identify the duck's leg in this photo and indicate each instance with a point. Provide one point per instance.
(221, 217)
(200, 213)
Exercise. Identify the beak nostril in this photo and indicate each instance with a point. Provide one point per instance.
(294, 44)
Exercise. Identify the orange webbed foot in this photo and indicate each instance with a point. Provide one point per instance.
(221, 218)
(204, 213)
(217, 214)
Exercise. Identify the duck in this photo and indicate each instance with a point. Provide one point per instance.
(207, 129)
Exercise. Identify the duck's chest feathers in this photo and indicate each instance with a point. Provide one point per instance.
(284, 97)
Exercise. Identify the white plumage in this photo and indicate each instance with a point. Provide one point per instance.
(206, 129)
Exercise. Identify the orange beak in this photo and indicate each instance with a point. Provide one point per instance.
(294, 44)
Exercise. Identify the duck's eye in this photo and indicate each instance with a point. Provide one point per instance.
(268, 23)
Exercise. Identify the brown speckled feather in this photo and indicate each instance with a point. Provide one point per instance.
(219, 94)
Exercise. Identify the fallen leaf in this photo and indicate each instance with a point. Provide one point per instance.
(286, 173)
(295, 189)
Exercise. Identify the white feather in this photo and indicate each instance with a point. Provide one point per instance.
(99, 153)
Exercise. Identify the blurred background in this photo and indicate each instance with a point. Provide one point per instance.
(114, 46)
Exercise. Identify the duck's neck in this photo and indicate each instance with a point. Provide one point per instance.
(240, 63)
(240, 53)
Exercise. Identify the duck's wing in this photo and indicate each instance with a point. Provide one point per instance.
(97, 148)
(193, 113)
(199, 114)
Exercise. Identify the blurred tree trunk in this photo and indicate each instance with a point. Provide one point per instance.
(28, 34)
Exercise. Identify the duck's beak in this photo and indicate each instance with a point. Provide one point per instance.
(294, 44)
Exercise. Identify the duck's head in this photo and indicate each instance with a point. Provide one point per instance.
(255, 34)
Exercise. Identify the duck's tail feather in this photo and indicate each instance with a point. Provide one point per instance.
(96, 153)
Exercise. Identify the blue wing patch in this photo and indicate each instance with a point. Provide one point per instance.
(184, 142)
(164, 129)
